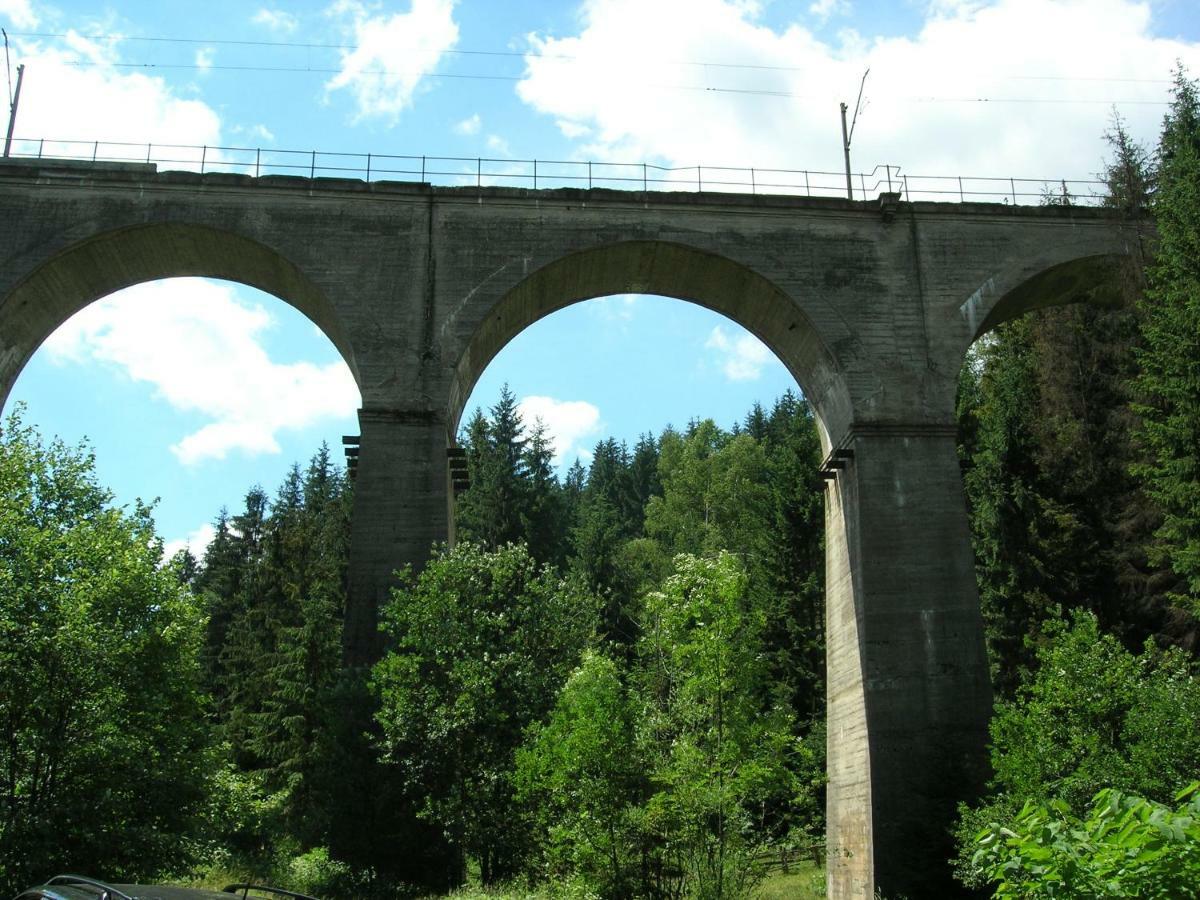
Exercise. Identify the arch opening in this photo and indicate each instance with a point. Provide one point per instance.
(599, 368)
(72, 277)
(1096, 280)
(625, 513)
(190, 391)
(668, 270)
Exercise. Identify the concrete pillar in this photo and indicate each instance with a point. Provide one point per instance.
(401, 497)
(909, 696)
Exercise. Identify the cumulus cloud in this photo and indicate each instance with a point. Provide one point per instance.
(201, 350)
(979, 90)
(204, 58)
(741, 357)
(568, 423)
(196, 542)
(78, 93)
(392, 53)
(276, 20)
(19, 13)
(468, 127)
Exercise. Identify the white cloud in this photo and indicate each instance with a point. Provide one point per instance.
(204, 58)
(276, 20)
(741, 358)
(468, 127)
(392, 53)
(196, 542)
(622, 91)
(74, 91)
(573, 130)
(568, 423)
(19, 13)
(258, 132)
(617, 308)
(200, 349)
(824, 10)
(497, 144)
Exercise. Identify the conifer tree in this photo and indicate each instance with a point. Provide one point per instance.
(1170, 358)
(543, 512)
(489, 513)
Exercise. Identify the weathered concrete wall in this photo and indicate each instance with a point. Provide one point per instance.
(419, 288)
(908, 695)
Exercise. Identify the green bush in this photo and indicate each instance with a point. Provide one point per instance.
(1126, 847)
(1094, 716)
(316, 873)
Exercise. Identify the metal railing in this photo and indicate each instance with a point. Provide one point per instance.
(455, 171)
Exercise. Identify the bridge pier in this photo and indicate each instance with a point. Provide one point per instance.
(401, 497)
(908, 691)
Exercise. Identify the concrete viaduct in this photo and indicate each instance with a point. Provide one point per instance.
(871, 305)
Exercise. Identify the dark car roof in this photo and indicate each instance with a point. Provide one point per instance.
(66, 890)
(75, 887)
(169, 892)
(135, 891)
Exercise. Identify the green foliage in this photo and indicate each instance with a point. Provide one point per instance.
(482, 641)
(1169, 382)
(1093, 717)
(656, 763)
(583, 774)
(514, 494)
(104, 762)
(281, 651)
(1055, 517)
(1125, 847)
(316, 873)
(1096, 716)
(717, 757)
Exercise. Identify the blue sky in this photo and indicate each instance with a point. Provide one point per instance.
(192, 391)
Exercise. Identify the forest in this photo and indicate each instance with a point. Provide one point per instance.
(612, 685)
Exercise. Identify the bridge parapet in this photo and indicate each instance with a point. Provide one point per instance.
(585, 174)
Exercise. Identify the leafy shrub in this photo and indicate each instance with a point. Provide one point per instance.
(316, 873)
(1126, 847)
(1093, 716)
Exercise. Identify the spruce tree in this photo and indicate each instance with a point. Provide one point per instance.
(542, 516)
(1170, 358)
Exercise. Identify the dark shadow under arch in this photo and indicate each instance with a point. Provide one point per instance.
(63, 284)
(670, 270)
(1089, 279)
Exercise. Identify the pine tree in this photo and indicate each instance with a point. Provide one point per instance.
(1170, 358)
(489, 513)
(543, 515)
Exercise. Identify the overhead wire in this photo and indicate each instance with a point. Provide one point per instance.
(518, 54)
(302, 45)
(479, 76)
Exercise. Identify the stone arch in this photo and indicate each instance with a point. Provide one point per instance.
(671, 270)
(59, 285)
(1094, 279)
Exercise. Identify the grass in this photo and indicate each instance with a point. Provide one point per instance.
(805, 882)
